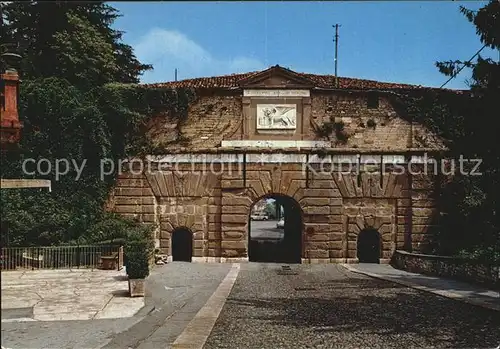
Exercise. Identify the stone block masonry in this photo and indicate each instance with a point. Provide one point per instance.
(249, 136)
(216, 207)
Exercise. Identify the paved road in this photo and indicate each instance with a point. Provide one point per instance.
(325, 306)
(265, 230)
(310, 306)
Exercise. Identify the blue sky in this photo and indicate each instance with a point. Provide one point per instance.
(393, 41)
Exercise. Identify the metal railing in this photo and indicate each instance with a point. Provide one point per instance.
(62, 257)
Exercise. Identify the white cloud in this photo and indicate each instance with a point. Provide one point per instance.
(170, 49)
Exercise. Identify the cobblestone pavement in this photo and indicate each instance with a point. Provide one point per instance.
(325, 306)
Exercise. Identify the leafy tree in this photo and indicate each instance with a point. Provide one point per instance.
(60, 122)
(64, 122)
(270, 209)
(71, 40)
(70, 54)
(472, 204)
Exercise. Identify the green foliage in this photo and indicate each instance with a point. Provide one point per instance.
(137, 260)
(139, 250)
(270, 209)
(59, 122)
(469, 205)
(112, 228)
(371, 123)
(73, 40)
(78, 101)
(330, 127)
(487, 22)
(325, 130)
(487, 255)
(63, 122)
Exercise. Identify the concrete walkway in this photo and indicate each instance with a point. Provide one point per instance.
(61, 295)
(458, 290)
(175, 293)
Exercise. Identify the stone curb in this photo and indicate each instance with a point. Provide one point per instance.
(441, 293)
(145, 310)
(197, 331)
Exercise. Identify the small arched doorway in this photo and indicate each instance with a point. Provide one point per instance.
(182, 245)
(369, 246)
(275, 234)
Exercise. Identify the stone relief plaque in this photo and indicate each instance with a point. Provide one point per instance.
(276, 116)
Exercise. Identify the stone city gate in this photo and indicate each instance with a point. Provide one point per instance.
(249, 135)
(213, 198)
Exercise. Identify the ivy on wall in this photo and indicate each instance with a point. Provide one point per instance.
(329, 128)
(83, 127)
(139, 103)
(466, 220)
(442, 112)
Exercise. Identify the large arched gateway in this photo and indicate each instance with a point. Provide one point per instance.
(337, 151)
(275, 232)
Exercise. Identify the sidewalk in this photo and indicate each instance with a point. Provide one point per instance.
(177, 291)
(63, 295)
(461, 291)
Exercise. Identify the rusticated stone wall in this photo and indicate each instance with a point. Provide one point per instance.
(215, 203)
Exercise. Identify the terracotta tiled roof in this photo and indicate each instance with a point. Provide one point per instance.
(223, 81)
(319, 81)
(328, 81)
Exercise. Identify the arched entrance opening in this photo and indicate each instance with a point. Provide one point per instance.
(275, 230)
(369, 246)
(182, 245)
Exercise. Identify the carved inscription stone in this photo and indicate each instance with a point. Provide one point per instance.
(276, 93)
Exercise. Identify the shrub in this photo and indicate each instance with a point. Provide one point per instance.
(138, 252)
(111, 229)
(137, 259)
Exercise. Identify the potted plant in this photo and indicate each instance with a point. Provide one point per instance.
(138, 253)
